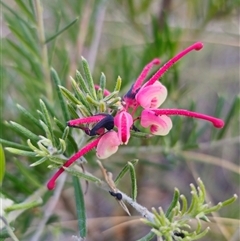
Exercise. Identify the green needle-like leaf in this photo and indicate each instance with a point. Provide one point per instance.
(14, 145)
(20, 152)
(61, 31)
(63, 104)
(117, 87)
(82, 82)
(47, 121)
(69, 96)
(173, 203)
(20, 129)
(124, 171)
(89, 79)
(80, 206)
(2, 164)
(87, 177)
(133, 180)
(42, 160)
(29, 116)
(25, 10)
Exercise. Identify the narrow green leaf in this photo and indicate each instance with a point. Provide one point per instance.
(69, 96)
(50, 109)
(87, 177)
(22, 39)
(102, 81)
(42, 160)
(47, 121)
(14, 145)
(117, 87)
(29, 116)
(234, 110)
(20, 152)
(25, 10)
(174, 202)
(110, 96)
(89, 78)
(92, 101)
(72, 111)
(20, 129)
(133, 180)
(61, 31)
(65, 133)
(80, 206)
(13, 12)
(147, 237)
(63, 104)
(82, 82)
(124, 171)
(47, 131)
(21, 206)
(79, 94)
(2, 164)
(230, 200)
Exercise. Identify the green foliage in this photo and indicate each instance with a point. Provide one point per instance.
(174, 225)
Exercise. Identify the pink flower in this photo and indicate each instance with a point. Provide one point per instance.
(132, 98)
(108, 145)
(159, 125)
(123, 121)
(151, 96)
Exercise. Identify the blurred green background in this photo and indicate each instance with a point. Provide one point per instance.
(120, 38)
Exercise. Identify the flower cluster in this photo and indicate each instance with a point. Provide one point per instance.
(112, 131)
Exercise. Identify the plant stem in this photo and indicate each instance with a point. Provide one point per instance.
(43, 46)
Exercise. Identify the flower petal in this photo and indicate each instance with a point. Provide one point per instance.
(159, 125)
(108, 145)
(123, 121)
(151, 96)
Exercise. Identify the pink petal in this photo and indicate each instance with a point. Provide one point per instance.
(108, 145)
(159, 125)
(123, 121)
(151, 96)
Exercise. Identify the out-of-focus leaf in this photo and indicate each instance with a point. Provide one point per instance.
(2, 164)
(60, 31)
(80, 206)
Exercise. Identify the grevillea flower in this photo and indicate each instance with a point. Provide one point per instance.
(159, 125)
(148, 96)
(151, 96)
(123, 121)
(132, 100)
(108, 145)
